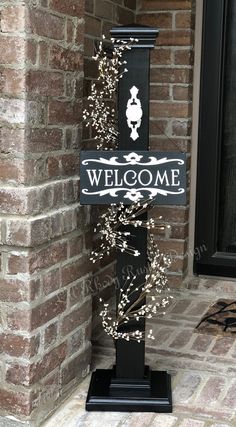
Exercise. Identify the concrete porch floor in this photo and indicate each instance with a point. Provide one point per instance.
(203, 368)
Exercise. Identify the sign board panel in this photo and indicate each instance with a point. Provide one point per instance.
(124, 176)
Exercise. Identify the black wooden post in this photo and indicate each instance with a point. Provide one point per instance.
(130, 386)
(130, 355)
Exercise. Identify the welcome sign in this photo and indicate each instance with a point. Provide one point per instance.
(125, 176)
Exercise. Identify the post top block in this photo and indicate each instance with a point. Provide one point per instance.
(146, 35)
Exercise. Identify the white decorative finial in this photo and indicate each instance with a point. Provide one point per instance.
(134, 113)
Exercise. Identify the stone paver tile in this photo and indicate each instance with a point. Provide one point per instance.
(162, 420)
(222, 346)
(185, 387)
(198, 309)
(190, 422)
(230, 398)
(220, 425)
(68, 415)
(211, 391)
(181, 306)
(202, 342)
(137, 419)
(182, 339)
(101, 419)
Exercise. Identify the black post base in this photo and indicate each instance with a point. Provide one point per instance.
(153, 395)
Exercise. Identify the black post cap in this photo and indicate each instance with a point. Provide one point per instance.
(145, 35)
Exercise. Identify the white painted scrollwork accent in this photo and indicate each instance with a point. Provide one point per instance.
(133, 159)
(133, 194)
(134, 113)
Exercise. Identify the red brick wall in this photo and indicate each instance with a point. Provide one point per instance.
(45, 307)
(170, 108)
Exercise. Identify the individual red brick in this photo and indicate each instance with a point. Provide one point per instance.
(70, 164)
(18, 320)
(222, 346)
(12, 82)
(70, 7)
(17, 402)
(165, 109)
(31, 52)
(65, 59)
(69, 220)
(12, 170)
(75, 270)
(40, 140)
(76, 318)
(70, 31)
(171, 75)
(181, 127)
(53, 166)
(13, 19)
(51, 281)
(16, 290)
(47, 25)
(172, 246)
(159, 92)
(79, 38)
(211, 391)
(18, 263)
(50, 334)
(30, 374)
(45, 83)
(175, 280)
(158, 127)
(104, 9)
(89, 46)
(179, 231)
(76, 293)
(202, 343)
(89, 6)
(76, 367)
(182, 93)
(19, 346)
(184, 57)
(65, 113)
(43, 53)
(12, 140)
(165, 5)
(175, 38)
(178, 265)
(11, 50)
(160, 56)
(75, 342)
(48, 310)
(75, 246)
(181, 340)
(160, 20)
(183, 20)
(230, 398)
(93, 26)
(47, 257)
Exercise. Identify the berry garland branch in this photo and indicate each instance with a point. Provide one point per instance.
(110, 235)
(100, 113)
(155, 284)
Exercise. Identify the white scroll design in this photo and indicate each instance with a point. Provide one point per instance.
(133, 159)
(133, 194)
(134, 113)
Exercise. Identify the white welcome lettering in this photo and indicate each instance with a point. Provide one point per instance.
(94, 176)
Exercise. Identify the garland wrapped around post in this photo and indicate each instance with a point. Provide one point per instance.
(130, 385)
